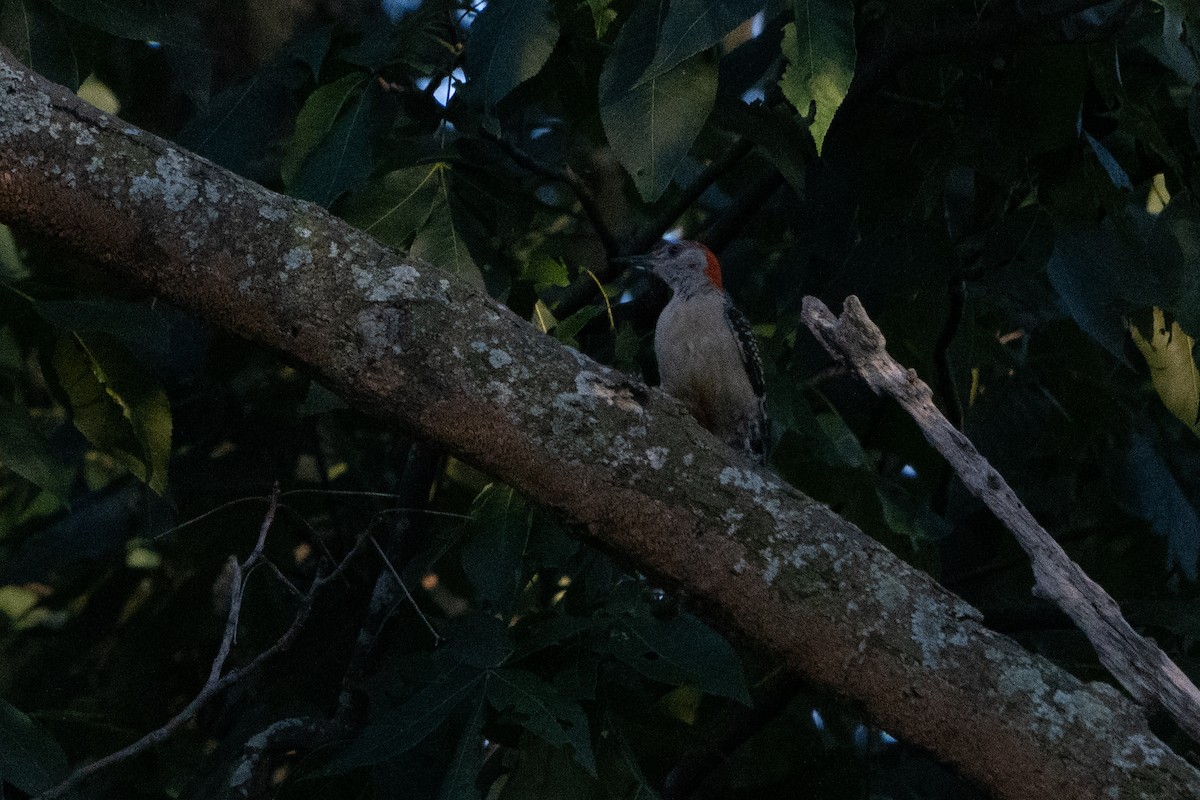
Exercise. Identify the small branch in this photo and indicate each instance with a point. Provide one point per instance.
(568, 176)
(419, 475)
(957, 289)
(1140, 666)
(748, 203)
(678, 206)
(387, 563)
(583, 290)
(216, 683)
(251, 777)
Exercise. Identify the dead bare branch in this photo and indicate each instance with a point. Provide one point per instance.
(217, 682)
(1140, 665)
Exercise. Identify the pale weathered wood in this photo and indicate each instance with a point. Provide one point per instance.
(1137, 663)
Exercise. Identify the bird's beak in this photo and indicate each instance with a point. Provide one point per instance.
(644, 263)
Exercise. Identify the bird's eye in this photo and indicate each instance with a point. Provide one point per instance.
(674, 249)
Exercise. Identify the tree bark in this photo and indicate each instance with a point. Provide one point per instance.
(439, 360)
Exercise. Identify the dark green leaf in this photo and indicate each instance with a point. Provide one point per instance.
(1156, 496)
(825, 438)
(778, 135)
(320, 400)
(552, 631)
(36, 35)
(627, 346)
(1110, 164)
(577, 677)
(653, 127)
(394, 207)
(693, 26)
(565, 331)
(459, 783)
(477, 639)
(1174, 241)
(633, 51)
(493, 556)
(193, 72)
(440, 242)
(11, 268)
(25, 451)
(316, 119)
(641, 788)
(115, 404)
(1193, 118)
(549, 543)
(821, 55)
(542, 270)
(543, 712)
(392, 732)
(549, 773)
(907, 517)
(139, 328)
(599, 580)
(652, 124)
(311, 49)
(241, 125)
(682, 651)
(342, 160)
(30, 759)
(1178, 51)
(510, 41)
(602, 16)
(1103, 275)
(843, 447)
(132, 19)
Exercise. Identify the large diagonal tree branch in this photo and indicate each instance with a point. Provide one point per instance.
(440, 360)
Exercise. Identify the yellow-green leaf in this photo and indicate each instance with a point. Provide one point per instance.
(820, 50)
(316, 119)
(115, 404)
(393, 207)
(1168, 352)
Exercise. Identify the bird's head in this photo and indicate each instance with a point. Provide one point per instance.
(682, 265)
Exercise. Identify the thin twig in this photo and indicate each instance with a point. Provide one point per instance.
(733, 222)
(1140, 666)
(583, 290)
(216, 683)
(418, 476)
(201, 517)
(387, 563)
(306, 734)
(662, 222)
(578, 186)
(957, 289)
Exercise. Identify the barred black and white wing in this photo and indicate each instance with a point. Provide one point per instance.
(757, 433)
(748, 344)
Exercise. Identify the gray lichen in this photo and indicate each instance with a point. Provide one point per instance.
(170, 183)
(21, 112)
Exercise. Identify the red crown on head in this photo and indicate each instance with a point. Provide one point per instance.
(713, 270)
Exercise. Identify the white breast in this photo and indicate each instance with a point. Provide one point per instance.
(700, 363)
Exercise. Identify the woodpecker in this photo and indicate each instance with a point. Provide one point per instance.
(707, 355)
